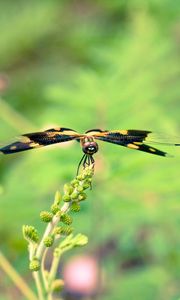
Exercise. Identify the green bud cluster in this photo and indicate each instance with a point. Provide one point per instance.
(74, 192)
(68, 189)
(66, 198)
(75, 182)
(57, 198)
(75, 206)
(46, 216)
(48, 241)
(57, 230)
(74, 195)
(30, 233)
(66, 219)
(34, 265)
(54, 208)
(82, 196)
(66, 230)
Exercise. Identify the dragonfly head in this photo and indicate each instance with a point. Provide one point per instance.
(90, 147)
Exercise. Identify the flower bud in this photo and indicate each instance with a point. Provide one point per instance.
(79, 188)
(54, 208)
(68, 189)
(66, 230)
(46, 216)
(66, 198)
(30, 233)
(48, 241)
(86, 185)
(82, 197)
(80, 177)
(57, 198)
(57, 230)
(34, 265)
(66, 219)
(75, 206)
(74, 182)
(74, 195)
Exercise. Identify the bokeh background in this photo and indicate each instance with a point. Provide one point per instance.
(87, 64)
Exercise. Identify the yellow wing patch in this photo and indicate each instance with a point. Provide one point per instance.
(13, 148)
(124, 132)
(132, 146)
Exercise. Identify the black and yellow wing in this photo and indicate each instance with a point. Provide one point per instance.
(133, 139)
(40, 139)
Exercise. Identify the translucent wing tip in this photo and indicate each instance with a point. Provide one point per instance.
(160, 138)
(169, 155)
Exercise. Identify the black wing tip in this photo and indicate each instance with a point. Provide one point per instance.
(177, 144)
(6, 151)
(18, 147)
(148, 149)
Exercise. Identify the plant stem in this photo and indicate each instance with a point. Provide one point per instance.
(45, 279)
(16, 278)
(49, 229)
(41, 254)
(53, 269)
(43, 271)
(38, 282)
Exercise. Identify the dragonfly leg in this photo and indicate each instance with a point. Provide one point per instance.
(83, 159)
(86, 160)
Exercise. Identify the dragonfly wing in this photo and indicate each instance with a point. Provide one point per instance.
(164, 139)
(40, 139)
(119, 137)
(133, 139)
(146, 148)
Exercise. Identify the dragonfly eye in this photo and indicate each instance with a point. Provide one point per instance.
(90, 148)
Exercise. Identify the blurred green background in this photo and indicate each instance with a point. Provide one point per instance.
(95, 64)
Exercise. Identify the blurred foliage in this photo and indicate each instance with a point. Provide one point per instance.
(89, 64)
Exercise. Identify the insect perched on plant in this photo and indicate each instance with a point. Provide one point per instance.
(133, 139)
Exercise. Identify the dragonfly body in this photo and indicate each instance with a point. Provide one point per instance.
(133, 139)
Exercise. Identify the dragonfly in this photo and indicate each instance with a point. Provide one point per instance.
(130, 138)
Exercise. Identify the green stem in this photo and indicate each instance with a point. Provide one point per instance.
(55, 264)
(53, 270)
(43, 271)
(38, 282)
(16, 278)
(41, 254)
(44, 279)
(49, 229)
